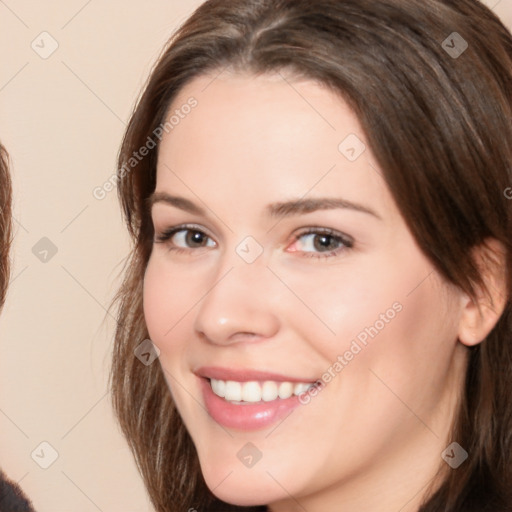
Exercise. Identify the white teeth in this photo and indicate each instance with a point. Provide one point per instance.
(269, 391)
(299, 388)
(219, 387)
(254, 391)
(285, 390)
(251, 392)
(233, 391)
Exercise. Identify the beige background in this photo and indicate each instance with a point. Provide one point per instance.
(62, 118)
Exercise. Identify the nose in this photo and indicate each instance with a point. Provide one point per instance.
(238, 306)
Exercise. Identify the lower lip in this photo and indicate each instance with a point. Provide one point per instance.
(246, 416)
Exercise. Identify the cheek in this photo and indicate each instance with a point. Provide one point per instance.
(167, 301)
(171, 297)
(166, 298)
(336, 306)
(403, 348)
(386, 317)
(153, 302)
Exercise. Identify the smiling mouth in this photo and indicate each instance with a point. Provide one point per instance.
(248, 399)
(251, 392)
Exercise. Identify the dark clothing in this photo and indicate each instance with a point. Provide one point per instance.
(12, 498)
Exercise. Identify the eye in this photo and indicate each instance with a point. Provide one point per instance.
(321, 242)
(185, 237)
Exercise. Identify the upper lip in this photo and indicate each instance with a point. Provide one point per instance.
(244, 374)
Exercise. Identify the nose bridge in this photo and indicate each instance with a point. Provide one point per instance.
(237, 303)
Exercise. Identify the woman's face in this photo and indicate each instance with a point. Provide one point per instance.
(290, 263)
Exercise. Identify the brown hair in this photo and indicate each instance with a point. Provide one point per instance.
(5, 222)
(439, 125)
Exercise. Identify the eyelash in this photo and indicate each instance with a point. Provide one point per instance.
(166, 235)
(346, 241)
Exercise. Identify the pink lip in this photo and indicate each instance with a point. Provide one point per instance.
(244, 375)
(246, 416)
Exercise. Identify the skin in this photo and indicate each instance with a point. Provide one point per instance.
(371, 440)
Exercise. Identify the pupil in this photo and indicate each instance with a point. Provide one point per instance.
(324, 242)
(195, 238)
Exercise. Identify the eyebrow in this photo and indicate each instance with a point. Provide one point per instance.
(276, 210)
(303, 206)
(179, 202)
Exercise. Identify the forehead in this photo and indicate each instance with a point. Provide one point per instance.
(268, 136)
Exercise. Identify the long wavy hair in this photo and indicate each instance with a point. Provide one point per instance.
(438, 118)
(5, 223)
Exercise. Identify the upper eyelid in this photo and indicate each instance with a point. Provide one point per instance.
(186, 226)
(325, 231)
(301, 231)
(202, 215)
(164, 220)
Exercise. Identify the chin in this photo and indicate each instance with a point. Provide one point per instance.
(241, 486)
